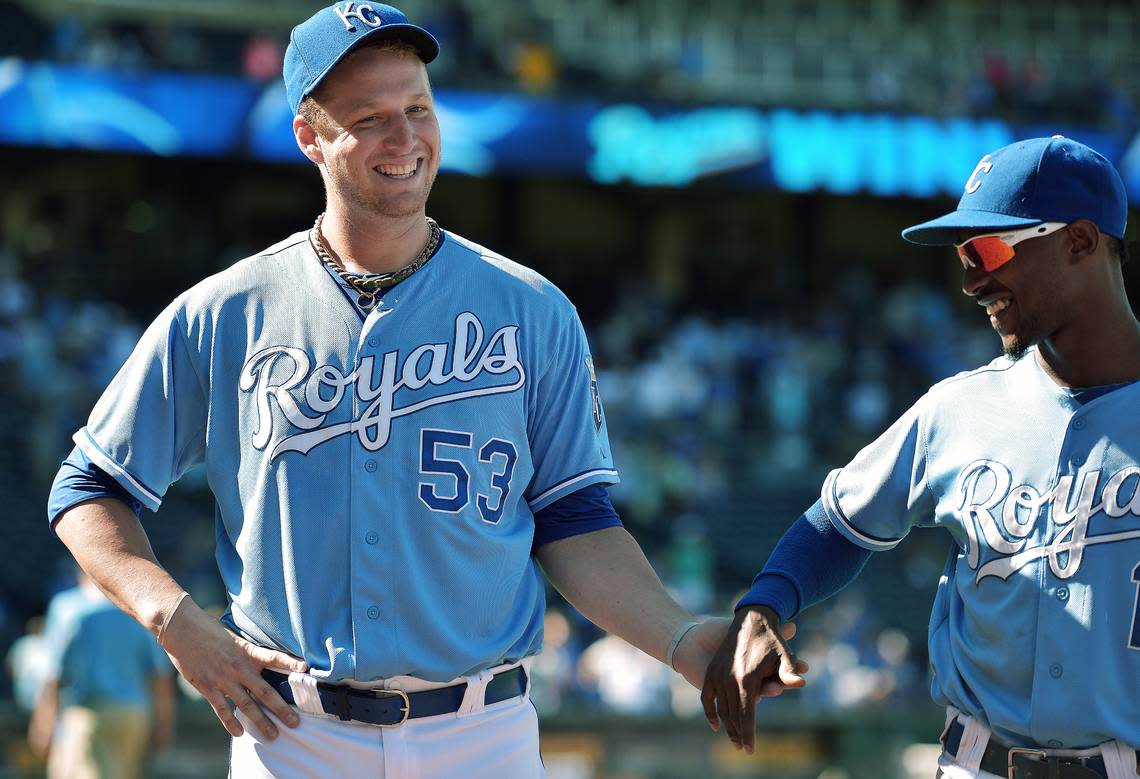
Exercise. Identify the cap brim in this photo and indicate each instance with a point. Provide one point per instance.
(945, 230)
(426, 44)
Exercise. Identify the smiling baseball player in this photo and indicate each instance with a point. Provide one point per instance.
(398, 426)
(1031, 463)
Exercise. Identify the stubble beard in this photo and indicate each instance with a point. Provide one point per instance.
(1022, 341)
(1016, 349)
(404, 205)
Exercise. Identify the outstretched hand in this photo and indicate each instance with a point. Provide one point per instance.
(222, 666)
(699, 646)
(753, 661)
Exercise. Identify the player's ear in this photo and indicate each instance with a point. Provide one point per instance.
(1084, 238)
(308, 140)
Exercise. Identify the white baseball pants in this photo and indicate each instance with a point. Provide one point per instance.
(477, 742)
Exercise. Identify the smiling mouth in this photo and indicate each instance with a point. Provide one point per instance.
(996, 307)
(399, 171)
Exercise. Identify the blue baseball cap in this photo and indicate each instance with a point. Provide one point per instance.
(1029, 182)
(317, 44)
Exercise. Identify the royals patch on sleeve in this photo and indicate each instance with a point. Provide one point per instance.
(595, 398)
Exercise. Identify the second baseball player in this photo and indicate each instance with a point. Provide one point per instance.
(1032, 463)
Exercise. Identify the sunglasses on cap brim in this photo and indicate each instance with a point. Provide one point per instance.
(992, 250)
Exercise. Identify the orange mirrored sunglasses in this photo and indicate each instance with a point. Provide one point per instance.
(989, 252)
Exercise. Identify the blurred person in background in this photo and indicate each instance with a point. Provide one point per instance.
(1030, 462)
(29, 664)
(108, 695)
(399, 427)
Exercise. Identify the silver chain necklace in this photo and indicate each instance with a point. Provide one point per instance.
(369, 285)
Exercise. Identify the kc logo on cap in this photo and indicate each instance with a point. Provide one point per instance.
(1029, 183)
(362, 13)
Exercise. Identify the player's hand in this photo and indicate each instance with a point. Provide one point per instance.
(753, 661)
(224, 667)
(693, 655)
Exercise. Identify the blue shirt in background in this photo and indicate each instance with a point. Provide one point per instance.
(99, 654)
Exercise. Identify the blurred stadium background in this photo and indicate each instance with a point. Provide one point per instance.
(718, 184)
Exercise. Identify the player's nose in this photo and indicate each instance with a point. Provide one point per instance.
(973, 280)
(399, 136)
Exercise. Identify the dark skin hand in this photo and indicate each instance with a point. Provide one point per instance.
(753, 661)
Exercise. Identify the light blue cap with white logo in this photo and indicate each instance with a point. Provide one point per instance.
(317, 44)
(1029, 182)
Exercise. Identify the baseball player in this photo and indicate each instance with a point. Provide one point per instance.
(1032, 463)
(109, 693)
(398, 426)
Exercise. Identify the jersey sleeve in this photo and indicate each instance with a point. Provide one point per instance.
(59, 627)
(149, 426)
(569, 442)
(80, 480)
(876, 498)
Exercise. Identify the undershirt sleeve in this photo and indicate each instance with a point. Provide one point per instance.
(812, 562)
(582, 511)
(80, 480)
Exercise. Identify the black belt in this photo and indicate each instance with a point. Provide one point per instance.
(1026, 763)
(394, 707)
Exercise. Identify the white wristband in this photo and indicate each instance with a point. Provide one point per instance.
(677, 638)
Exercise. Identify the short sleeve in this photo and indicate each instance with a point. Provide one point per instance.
(876, 498)
(569, 441)
(59, 628)
(149, 426)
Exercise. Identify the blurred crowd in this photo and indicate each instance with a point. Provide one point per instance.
(697, 408)
(151, 42)
(1016, 64)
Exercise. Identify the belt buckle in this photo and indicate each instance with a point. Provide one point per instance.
(407, 708)
(1015, 751)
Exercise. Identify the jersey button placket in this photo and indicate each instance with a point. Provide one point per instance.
(365, 609)
(1056, 670)
(374, 592)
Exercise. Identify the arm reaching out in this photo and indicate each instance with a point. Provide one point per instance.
(108, 542)
(812, 562)
(605, 576)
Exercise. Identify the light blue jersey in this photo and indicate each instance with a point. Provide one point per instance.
(1036, 625)
(99, 654)
(376, 476)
